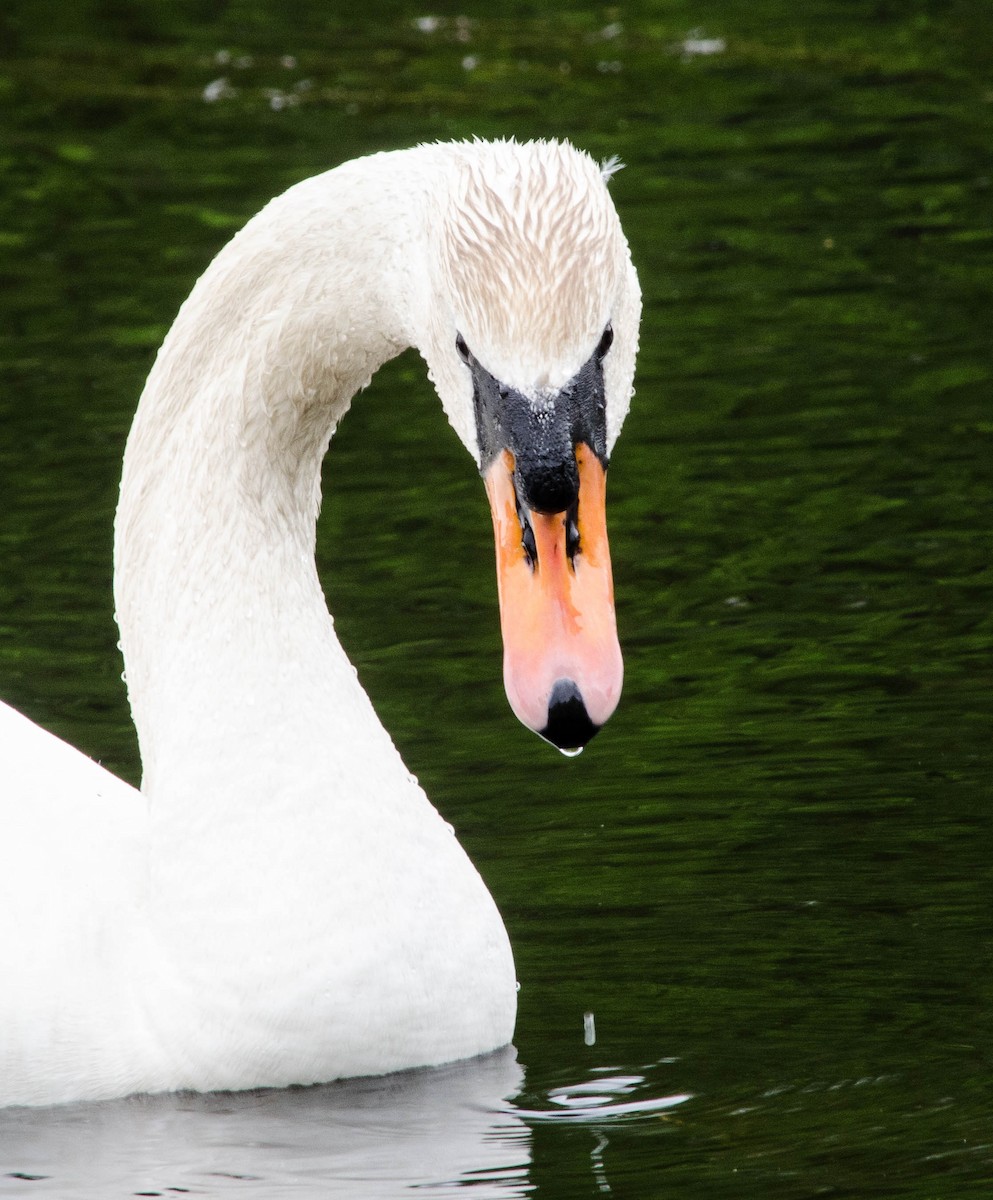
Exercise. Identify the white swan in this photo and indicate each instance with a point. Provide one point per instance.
(281, 904)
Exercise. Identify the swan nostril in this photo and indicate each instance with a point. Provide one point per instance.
(528, 542)
(569, 726)
(572, 546)
(527, 535)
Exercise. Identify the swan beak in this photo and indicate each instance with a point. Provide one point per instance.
(562, 665)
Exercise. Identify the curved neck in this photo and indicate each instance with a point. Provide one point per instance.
(225, 633)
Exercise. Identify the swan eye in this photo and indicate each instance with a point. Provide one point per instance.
(605, 342)
(462, 349)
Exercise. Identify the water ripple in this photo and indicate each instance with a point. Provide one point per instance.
(596, 1100)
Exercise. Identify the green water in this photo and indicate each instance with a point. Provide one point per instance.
(769, 877)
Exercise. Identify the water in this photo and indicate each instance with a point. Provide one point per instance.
(768, 879)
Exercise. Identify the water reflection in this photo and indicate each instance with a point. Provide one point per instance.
(434, 1132)
(371, 1139)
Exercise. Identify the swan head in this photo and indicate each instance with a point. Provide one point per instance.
(532, 350)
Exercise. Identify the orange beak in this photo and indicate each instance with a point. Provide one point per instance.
(562, 665)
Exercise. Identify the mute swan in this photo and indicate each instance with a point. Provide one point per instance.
(280, 903)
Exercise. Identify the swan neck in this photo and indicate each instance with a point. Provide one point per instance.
(224, 628)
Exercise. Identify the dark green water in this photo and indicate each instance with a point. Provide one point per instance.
(769, 877)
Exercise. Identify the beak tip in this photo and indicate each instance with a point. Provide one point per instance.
(569, 726)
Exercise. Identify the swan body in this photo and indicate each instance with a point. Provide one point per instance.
(280, 904)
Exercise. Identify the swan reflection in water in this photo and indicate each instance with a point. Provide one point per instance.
(431, 1131)
(364, 1139)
